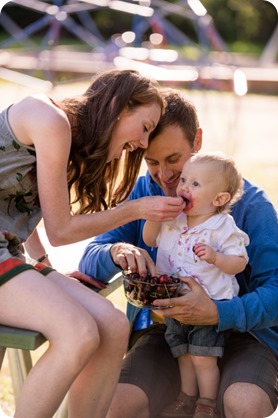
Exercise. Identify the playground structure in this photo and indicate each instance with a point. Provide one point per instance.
(214, 66)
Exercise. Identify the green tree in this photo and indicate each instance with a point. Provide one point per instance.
(239, 21)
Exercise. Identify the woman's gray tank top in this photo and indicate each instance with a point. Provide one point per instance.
(19, 204)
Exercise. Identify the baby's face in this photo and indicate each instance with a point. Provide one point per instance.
(199, 186)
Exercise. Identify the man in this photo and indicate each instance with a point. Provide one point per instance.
(149, 379)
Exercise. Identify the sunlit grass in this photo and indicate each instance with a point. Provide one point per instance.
(6, 390)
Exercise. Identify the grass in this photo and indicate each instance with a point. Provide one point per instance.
(6, 393)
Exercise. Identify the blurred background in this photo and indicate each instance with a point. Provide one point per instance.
(189, 42)
(222, 53)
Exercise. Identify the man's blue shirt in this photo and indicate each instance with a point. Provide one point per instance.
(256, 308)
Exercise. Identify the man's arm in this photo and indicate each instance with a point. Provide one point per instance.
(256, 308)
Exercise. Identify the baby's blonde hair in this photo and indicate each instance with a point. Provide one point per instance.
(231, 177)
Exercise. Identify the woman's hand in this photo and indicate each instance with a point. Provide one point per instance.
(160, 208)
(194, 308)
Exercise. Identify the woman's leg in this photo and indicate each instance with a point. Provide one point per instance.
(94, 387)
(33, 301)
(149, 377)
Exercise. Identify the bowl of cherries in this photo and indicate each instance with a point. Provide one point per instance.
(142, 291)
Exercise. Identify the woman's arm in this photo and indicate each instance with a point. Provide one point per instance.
(97, 259)
(35, 248)
(36, 121)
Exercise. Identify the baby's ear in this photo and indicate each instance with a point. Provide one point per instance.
(221, 199)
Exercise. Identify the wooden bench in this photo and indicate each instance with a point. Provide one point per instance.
(20, 342)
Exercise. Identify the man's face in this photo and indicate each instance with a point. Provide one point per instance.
(166, 156)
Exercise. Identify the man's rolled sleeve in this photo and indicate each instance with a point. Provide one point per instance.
(97, 262)
(231, 315)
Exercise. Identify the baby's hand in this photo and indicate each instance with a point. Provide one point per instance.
(205, 252)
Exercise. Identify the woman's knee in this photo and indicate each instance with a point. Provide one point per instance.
(117, 326)
(88, 336)
(79, 337)
(123, 323)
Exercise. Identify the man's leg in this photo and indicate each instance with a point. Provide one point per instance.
(149, 378)
(247, 400)
(248, 387)
(129, 401)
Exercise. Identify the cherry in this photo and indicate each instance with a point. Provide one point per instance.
(142, 291)
(164, 278)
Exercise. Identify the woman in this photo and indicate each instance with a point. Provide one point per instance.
(54, 155)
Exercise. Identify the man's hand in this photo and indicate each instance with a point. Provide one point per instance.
(194, 308)
(132, 258)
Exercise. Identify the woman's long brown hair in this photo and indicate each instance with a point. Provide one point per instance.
(93, 183)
